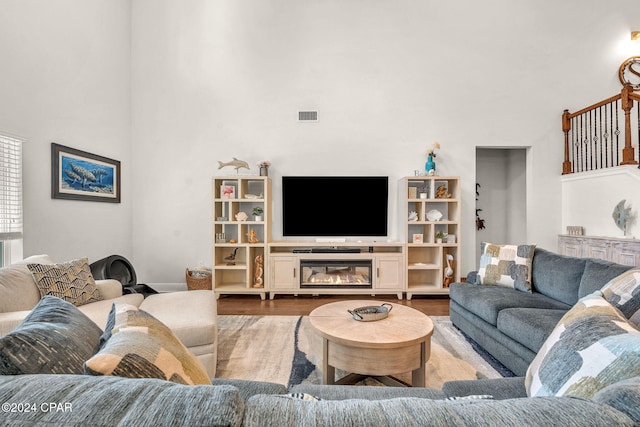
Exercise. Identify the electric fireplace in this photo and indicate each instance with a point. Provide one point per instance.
(346, 274)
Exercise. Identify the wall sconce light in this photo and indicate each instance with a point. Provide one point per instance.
(635, 36)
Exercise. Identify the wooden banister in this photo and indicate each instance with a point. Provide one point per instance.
(627, 105)
(594, 140)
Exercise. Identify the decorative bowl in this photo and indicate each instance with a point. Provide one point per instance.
(371, 312)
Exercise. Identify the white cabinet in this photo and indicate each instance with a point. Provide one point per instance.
(389, 272)
(619, 250)
(284, 272)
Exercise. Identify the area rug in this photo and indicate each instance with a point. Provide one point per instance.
(285, 350)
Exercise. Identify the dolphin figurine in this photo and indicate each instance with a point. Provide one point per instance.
(237, 164)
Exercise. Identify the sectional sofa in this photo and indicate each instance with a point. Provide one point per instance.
(558, 387)
(512, 324)
(192, 316)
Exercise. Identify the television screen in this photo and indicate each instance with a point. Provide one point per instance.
(334, 205)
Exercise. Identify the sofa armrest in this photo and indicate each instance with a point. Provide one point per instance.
(472, 276)
(109, 288)
(9, 321)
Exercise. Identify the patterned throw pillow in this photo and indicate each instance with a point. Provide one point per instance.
(137, 345)
(55, 338)
(506, 265)
(592, 346)
(623, 292)
(72, 281)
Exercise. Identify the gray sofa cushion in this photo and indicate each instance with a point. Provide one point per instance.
(529, 326)
(55, 338)
(341, 392)
(111, 401)
(249, 388)
(624, 396)
(283, 411)
(486, 301)
(499, 388)
(598, 273)
(557, 276)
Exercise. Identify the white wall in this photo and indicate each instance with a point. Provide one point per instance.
(65, 78)
(169, 87)
(212, 80)
(589, 199)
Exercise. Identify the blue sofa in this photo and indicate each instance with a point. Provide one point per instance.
(512, 325)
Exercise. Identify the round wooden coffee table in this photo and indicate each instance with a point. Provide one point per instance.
(397, 344)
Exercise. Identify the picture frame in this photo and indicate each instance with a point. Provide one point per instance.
(79, 175)
(417, 238)
(227, 191)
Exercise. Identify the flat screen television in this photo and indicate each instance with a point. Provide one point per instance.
(335, 205)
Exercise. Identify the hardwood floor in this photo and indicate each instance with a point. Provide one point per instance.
(302, 305)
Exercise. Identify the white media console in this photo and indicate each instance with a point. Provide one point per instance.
(353, 268)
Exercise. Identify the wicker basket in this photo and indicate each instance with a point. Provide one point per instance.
(197, 283)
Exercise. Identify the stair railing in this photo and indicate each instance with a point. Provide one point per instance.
(592, 135)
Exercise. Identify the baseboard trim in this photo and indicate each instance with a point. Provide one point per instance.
(168, 287)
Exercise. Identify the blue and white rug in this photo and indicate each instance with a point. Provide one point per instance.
(285, 350)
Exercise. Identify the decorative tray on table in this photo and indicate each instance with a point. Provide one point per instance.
(371, 312)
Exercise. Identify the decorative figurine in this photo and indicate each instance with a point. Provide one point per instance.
(237, 164)
(448, 272)
(232, 256)
(442, 193)
(241, 216)
(252, 236)
(258, 270)
(622, 216)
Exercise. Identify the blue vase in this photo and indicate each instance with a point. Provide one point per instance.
(430, 166)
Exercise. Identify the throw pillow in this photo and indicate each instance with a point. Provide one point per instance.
(471, 397)
(72, 281)
(506, 265)
(591, 347)
(55, 338)
(304, 396)
(137, 345)
(623, 292)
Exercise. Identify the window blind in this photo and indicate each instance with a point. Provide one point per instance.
(10, 188)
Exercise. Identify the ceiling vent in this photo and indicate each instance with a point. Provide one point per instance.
(307, 116)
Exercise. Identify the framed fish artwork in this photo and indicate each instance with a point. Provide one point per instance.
(78, 175)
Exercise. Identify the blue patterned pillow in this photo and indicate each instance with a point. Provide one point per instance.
(55, 338)
(506, 265)
(623, 292)
(592, 346)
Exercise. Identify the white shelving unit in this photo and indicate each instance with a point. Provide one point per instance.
(236, 258)
(432, 206)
